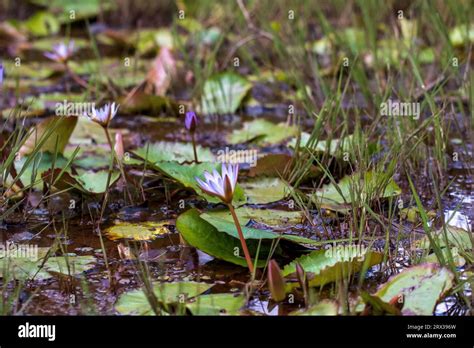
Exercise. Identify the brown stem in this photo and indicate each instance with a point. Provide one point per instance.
(242, 239)
(193, 137)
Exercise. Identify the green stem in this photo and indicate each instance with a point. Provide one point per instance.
(193, 137)
(242, 238)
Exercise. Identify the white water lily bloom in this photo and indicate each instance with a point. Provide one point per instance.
(221, 185)
(104, 115)
(61, 52)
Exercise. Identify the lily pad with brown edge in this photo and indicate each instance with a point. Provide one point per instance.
(355, 189)
(147, 230)
(135, 302)
(262, 131)
(216, 304)
(421, 286)
(323, 266)
(30, 168)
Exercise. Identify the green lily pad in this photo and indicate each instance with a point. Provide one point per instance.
(455, 236)
(42, 23)
(135, 302)
(262, 131)
(331, 147)
(34, 266)
(324, 307)
(172, 151)
(421, 287)
(270, 217)
(264, 190)
(51, 134)
(32, 167)
(353, 190)
(462, 35)
(204, 236)
(227, 226)
(217, 304)
(323, 266)
(223, 93)
(147, 230)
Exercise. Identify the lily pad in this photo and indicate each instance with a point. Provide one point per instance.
(270, 217)
(32, 167)
(217, 304)
(173, 151)
(204, 236)
(351, 189)
(224, 225)
(323, 266)
(147, 230)
(264, 190)
(421, 287)
(331, 147)
(135, 302)
(35, 267)
(223, 93)
(324, 307)
(455, 236)
(262, 131)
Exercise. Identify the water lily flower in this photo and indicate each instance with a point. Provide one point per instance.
(61, 52)
(1, 74)
(104, 115)
(191, 121)
(222, 185)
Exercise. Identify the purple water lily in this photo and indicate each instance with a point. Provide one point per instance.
(222, 185)
(61, 52)
(1, 74)
(190, 122)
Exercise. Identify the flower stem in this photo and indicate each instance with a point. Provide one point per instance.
(193, 137)
(242, 239)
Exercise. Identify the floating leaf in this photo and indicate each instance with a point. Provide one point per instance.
(137, 231)
(135, 302)
(421, 286)
(50, 134)
(351, 189)
(204, 236)
(462, 35)
(324, 307)
(270, 217)
(217, 304)
(173, 151)
(35, 266)
(87, 182)
(264, 190)
(32, 167)
(227, 226)
(223, 93)
(42, 23)
(331, 147)
(323, 266)
(454, 236)
(262, 131)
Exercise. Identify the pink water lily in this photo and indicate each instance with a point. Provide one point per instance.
(221, 185)
(61, 52)
(104, 115)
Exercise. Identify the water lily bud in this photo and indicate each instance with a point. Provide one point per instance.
(191, 121)
(301, 275)
(276, 282)
(118, 147)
